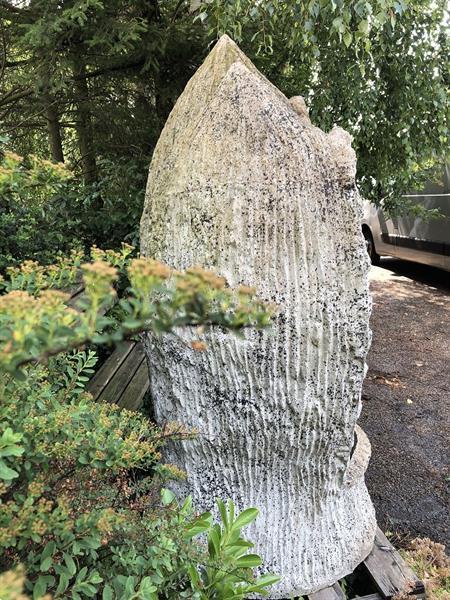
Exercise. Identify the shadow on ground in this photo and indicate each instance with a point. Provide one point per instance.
(436, 278)
(406, 400)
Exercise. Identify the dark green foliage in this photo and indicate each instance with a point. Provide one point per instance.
(121, 188)
(39, 210)
(80, 507)
(92, 82)
(45, 210)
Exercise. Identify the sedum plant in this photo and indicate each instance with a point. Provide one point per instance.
(36, 321)
(81, 509)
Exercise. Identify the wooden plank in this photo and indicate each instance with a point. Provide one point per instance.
(75, 289)
(333, 592)
(135, 391)
(122, 376)
(389, 571)
(75, 297)
(371, 597)
(108, 369)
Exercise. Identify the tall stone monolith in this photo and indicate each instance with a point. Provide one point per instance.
(242, 183)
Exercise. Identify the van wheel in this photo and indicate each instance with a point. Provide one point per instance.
(374, 257)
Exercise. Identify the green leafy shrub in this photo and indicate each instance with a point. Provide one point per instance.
(37, 217)
(118, 198)
(81, 511)
(225, 575)
(46, 211)
(66, 494)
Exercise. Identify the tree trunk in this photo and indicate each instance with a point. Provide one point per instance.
(84, 122)
(54, 132)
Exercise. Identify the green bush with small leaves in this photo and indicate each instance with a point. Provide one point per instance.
(39, 215)
(36, 321)
(83, 509)
(46, 210)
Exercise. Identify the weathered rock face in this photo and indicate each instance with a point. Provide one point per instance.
(242, 183)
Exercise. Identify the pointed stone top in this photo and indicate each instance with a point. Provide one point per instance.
(224, 54)
(226, 45)
(225, 39)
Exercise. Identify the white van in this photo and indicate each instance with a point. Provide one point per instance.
(409, 237)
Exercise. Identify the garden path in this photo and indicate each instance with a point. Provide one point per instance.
(406, 400)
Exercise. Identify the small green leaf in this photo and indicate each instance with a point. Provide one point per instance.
(70, 563)
(129, 586)
(48, 551)
(41, 585)
(363, 26)
(95, 577)
(246, 517)
(197, 528)
(223, 513)
(214, 541)
(6, 473)
(107, 593)
(82, 574)
(12, 451)
(248, 561)
(46, 564)
(147, 587)
(167, 497)
(186, 509)
(63, 584)
(267, 580)
(194, 576)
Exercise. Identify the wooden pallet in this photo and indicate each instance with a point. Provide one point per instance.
(386, 570)
(123, 378)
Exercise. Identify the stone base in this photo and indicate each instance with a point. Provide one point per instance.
(313, 544)
(316, 556)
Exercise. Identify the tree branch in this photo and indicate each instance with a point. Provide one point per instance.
(126, 335)
(17, 94)
(22, 14)
(123, 66)
(3, 66)
(14, 95)
(177, 8)
(17, 63)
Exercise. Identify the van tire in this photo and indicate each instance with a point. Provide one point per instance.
(370, 246)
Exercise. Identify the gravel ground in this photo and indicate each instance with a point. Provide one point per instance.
(406, 400)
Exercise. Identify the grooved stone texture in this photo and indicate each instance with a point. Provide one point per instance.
(242, 183)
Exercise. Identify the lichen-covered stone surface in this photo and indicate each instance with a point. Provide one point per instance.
(242, 183)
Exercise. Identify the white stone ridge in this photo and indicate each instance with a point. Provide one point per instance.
(242, 183)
